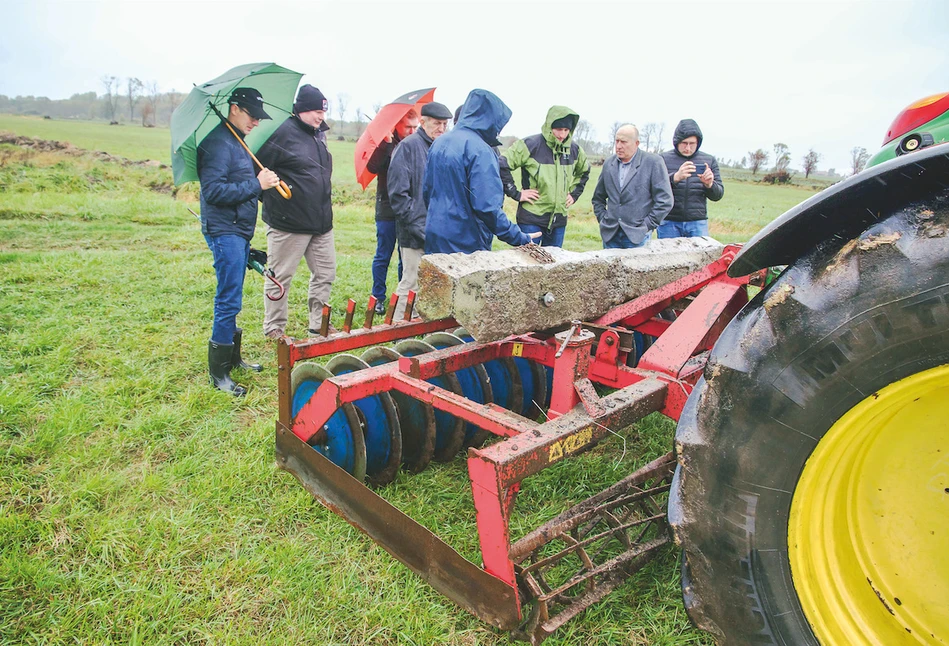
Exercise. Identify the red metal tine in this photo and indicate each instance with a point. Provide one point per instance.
(370, 312)
(350, 312)
(390, 311)
(325, 325)
(409, 306)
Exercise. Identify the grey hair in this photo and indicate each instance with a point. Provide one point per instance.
(628, 128)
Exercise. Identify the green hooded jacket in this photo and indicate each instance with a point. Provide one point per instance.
(555, 168)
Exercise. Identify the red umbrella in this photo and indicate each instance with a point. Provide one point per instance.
(382, 126)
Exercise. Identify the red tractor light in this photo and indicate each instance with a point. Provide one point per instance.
(916, 115)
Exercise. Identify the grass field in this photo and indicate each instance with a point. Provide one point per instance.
(139, 506)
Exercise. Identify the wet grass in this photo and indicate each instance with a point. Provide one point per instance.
(139, 506)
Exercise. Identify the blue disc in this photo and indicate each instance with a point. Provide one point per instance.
(416, 418)
(504, 376)
(380, 425)
(337, 442)
(474, 385)
(449, 430)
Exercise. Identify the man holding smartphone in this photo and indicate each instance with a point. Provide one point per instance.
(695, 179)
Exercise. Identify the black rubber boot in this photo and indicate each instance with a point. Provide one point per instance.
(236, 360)
(219, 366)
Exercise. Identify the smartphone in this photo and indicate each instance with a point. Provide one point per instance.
(700, 168)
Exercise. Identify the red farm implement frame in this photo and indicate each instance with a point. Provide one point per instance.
(600, 541)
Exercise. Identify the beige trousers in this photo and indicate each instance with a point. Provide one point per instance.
(410, 262)
(284, 251)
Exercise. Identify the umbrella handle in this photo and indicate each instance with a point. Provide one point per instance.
(282, 187)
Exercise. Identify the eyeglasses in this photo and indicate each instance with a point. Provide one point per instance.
(245, 111)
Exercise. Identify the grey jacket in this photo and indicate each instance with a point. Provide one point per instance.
(640, 205)
(404, 183)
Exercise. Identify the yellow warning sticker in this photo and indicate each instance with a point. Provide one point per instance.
(570, 444)
(517, 350)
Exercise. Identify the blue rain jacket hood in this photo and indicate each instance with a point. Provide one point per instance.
(462, 184)
(486, 114)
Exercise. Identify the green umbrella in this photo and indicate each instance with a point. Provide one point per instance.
(194, 118)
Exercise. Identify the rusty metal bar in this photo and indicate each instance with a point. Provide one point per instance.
(363, 337)
(409, 306)
(325, 323)
(390, 310)
(443, 568)
(515, 459)
(370, 312)
(350, 313)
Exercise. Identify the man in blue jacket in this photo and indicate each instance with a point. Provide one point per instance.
(462, 185)
(229, 193)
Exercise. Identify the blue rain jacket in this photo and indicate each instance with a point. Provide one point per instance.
(462, 185)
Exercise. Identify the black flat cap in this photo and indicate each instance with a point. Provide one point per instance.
(436, 111)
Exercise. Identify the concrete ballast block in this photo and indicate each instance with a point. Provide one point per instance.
(495, 294)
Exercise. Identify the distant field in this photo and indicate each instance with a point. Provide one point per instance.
(746, 207)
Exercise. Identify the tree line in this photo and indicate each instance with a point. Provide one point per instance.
(131, 100)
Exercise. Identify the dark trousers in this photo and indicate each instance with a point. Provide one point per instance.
(621, 241)
(385, 245)
(230, 264)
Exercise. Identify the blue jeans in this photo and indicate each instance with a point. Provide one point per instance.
(385, 244)
(692, 229)
(230, 264)
(621, 241)
(551, 238)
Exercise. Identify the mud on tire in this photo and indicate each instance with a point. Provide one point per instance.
(841, 323)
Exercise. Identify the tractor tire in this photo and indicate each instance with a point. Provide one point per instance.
(811, 496)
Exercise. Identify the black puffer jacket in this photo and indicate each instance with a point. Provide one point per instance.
(404, 182)
(297, 153)
(379, 164)
(690, 194)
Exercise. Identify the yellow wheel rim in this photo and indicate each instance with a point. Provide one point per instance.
(868, 536)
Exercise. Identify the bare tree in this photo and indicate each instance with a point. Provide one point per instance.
(858, 159)
(583, 130)
(743, 162)
(756, 160)
(361, 122)
(152, 95)
(651, 136)
(810, 162)
(376, 107)
(782, 157)
(134, 89)
(111, 86)
(342, 104)
(613, 130)
(173, 99)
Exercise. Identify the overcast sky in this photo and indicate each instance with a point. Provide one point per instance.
(829, 75)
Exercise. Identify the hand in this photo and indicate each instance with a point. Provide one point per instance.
(257, 255)
(707, 177)
(529, 195)
(569, 200)
(388, 138)
(535, 235)
(267, 178)
(685, 171)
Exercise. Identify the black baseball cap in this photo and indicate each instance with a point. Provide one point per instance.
(249, 99)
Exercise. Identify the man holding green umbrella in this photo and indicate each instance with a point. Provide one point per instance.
(230, 189)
